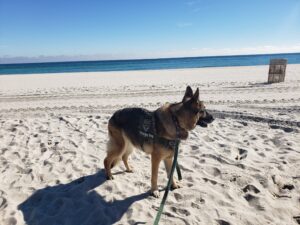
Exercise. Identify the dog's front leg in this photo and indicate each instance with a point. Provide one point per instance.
(168, 164)
(155, 160)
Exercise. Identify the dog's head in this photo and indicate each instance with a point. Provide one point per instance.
(205, 118)
(192, 111)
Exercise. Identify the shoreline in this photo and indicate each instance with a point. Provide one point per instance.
(138, 70)
(137, 77)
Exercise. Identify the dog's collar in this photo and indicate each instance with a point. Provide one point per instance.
(177, 126)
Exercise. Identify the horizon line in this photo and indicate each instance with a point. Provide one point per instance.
(133, 59)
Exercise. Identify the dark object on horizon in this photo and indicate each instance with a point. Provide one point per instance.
(277, 70)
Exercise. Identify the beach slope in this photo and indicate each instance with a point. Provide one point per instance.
(242, 169)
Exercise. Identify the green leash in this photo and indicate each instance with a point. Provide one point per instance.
(178, 171)
(162, 204)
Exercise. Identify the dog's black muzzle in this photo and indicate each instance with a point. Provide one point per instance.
(204, 121)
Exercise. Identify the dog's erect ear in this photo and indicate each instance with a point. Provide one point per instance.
(196, 95)
(188, 93)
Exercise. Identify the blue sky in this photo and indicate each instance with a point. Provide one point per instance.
(110, 29)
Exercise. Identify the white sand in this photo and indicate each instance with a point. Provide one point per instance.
(243, 169)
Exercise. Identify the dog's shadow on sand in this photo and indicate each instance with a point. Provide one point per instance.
(75, 203)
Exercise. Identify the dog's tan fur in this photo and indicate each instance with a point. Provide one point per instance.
(120, 146)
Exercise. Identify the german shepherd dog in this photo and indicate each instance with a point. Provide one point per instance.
(152, 132)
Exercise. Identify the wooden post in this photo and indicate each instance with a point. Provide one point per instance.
(277, 70)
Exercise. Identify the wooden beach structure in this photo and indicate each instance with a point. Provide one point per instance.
(277, 70)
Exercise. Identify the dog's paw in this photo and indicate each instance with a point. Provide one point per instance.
(109, 177)
(129, 171)
(176, 185)
(155, 193)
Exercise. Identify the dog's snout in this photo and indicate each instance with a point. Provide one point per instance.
(204, 121)
(209, 118)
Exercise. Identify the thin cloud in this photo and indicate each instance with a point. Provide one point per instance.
(182, 25)
(268, 49)
(192, 3)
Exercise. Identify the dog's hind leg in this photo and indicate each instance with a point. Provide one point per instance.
(115, 149)
(128, 151)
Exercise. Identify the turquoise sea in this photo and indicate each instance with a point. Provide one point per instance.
(145, 64)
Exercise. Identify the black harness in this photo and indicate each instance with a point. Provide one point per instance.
(148, 134)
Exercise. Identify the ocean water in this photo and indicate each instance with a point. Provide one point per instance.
(145, 64)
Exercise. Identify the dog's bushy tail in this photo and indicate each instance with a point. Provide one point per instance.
(111, 149)
(115, 145)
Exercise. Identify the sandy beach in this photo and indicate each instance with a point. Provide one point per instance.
(244, 169)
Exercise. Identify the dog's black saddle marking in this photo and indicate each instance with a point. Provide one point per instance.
(140, 126)
(148, 134)
(147, 129)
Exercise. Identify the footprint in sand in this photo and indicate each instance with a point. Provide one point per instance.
(209, 180)
(179, 211)
(223, 222)
(288, 187)
(13, 128)
(242, 154)
(253, 138)
(285, 129)
(43, 147)
(91, 141)
(214, 171)
(208, 139)
(253, 201)
(3, 203)
(194, 147)
(251, 188)
(178, 197)
(262, 179)
(297, 219)
(195, 205)
(283, 184)
(262, 154)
